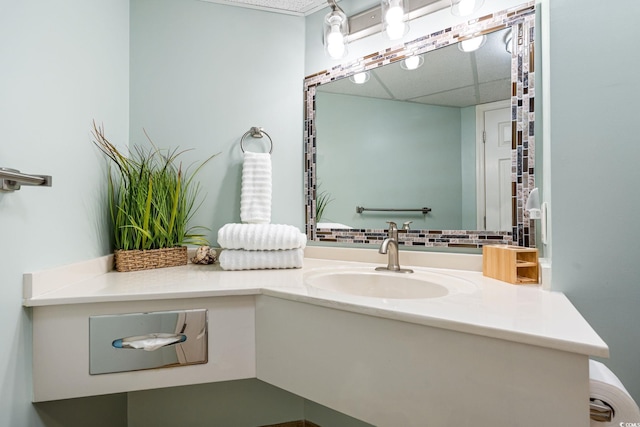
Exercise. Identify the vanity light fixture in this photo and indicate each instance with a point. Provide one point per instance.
(360, 78)
(412, 62)
(336, 30)
(465, 7)
(475, 43)
(395, 23)
(390, 17)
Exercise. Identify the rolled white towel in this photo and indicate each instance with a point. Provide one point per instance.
(231, 259)
(255, 198)
(261, 237)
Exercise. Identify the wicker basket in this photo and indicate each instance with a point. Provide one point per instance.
(132, 260)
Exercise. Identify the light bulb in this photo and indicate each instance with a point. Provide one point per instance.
(412, 62)
(335, 29)
(466, 7)
(394, 25)
(335, 36)
(336, 50)
(394, 15)
(395, 31)
(335, 42)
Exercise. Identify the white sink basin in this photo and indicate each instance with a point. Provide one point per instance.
(367, 282)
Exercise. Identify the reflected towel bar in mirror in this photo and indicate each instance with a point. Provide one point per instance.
(12, 179)
(360, 209)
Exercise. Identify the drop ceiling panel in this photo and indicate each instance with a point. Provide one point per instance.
(461, 97)
(493, 62)
(497, 90)
(371, 89)
(448, 77)
(444, 69)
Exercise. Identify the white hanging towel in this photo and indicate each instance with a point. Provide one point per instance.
(261, 237)
(231, 259)
(255, 198)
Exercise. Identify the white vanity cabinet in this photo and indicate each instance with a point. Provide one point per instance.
(391, 373)
(61, 347)
(489, 354)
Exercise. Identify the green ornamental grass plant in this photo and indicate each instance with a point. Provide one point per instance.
(151, 198)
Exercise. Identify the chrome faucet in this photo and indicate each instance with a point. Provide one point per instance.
(390, 246)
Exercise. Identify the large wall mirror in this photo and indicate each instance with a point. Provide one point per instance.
(445, 149)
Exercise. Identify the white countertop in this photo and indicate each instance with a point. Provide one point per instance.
(525, 314)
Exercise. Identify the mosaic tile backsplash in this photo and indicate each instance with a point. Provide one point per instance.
(522, 21)
(420, 238)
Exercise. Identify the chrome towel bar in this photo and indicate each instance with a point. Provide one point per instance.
(12, 179)
(360, 209)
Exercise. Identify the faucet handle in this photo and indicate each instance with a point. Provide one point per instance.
(392, 225)
(407, 225)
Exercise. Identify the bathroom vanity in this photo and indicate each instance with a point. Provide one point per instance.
(472, 351)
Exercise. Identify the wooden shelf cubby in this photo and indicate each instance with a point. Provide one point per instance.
(512, 264)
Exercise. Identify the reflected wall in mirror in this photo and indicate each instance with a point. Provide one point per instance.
(409, 139)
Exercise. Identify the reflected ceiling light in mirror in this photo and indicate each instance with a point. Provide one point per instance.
(412, 62)
(465, 7)
(336, 29)
(360, 78)
(475, 43)
(394, 18)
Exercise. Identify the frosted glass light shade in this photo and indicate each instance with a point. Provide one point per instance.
(472, 44)
(360, 78)
(412, 62)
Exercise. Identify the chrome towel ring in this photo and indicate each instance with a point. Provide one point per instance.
(256, 132)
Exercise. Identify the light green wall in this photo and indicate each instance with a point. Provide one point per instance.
(594, 172)
(419, 146)
(63, 63)
(202, 74)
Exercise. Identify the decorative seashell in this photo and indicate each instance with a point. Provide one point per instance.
(205, 255)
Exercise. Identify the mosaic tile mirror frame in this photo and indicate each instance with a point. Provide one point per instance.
(522, 21)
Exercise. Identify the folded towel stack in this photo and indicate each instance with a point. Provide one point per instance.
(261, 246)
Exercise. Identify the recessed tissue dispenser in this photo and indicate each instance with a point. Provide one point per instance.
(132, 342)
